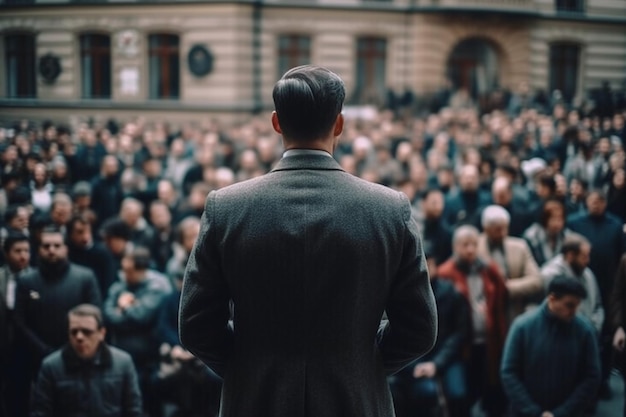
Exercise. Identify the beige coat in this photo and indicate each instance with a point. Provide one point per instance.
(523, 280)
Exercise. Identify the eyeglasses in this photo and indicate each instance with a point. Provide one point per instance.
(87, 332)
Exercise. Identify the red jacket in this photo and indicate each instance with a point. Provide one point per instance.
(496, 297)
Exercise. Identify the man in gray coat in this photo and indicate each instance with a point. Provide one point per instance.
(310, 257)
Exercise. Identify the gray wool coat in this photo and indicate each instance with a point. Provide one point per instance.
(311, 258)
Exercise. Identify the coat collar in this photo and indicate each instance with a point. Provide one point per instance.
(319, 162)
(73, 362)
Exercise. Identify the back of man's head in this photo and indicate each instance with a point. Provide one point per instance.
(308, 100)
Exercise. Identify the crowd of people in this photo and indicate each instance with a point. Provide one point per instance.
(521, 209)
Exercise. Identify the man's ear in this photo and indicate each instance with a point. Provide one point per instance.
(276, 124)
(338, 125)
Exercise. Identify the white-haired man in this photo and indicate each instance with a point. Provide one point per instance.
(513, 258)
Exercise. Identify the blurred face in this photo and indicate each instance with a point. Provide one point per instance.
(580, 261)
(496, 232)
(20, 221)
(85, 336)
(465, 248)
(61, 213)
(433, 205)
(189, 236)
(52, 248)
(116, 244)
(564, 308)
(18, 256)
(596, 205)
(555, 223)
(469, 179)
(81, 235)
(110, 166)
(160, 216)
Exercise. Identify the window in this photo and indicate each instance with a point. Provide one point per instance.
(164, 56)
(370, 70)
(293, 50)
(20, 65)
(95, 59)
(564, 59)
(570, 6)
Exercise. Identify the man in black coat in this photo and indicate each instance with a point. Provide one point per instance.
(45, 295)
(83, 250)
(311, 257)
(87, 377)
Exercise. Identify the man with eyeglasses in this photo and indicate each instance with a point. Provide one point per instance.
(45, 296)
(87, 377)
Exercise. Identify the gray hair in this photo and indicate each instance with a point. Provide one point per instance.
(495, 214)
(463, 232)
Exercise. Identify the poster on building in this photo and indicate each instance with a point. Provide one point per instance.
(129, 80)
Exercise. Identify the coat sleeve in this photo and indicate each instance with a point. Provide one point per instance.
(530, 283)
(510, 371)
(91, 290)
(450, 349)
(42, 401)
(618, 296)
(131, 401)
(204, 303)
(585, 391)
(411, 329)
(32, 340)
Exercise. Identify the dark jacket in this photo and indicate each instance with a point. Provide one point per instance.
(454, 325)
(465, 208)
(70, 387)
(550, 365)
(99, 260)
(134, 329)
(42, 304)
(605, 233)
(616, 316)
(311, 257)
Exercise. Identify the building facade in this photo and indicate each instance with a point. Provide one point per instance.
(188, 59)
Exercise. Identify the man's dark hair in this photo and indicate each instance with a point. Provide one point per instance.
(561, 286)
(116, 227)
(140, 256)
(308, 100)
(11, 212)
(12, 238)
(548, 181)
(79, 218)
(88, 310)
(573, 244)
(53, 229)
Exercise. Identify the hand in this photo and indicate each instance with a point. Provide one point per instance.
(179, 353)
(125, 300)
(425, 370)
(547, 414)
(619, 339)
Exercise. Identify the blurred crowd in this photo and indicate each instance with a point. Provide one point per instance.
(106, 213)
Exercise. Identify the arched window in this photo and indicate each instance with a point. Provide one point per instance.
(20, 65)
(564, 63)
(164, 63)
(95, 60)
